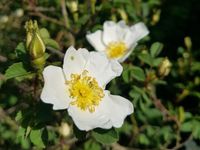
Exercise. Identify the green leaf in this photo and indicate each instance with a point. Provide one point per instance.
(126, 128)
(161, 82)
(18, 117)
(36, 138)
(25, 144)
(126, 74)
(166, 132)
(81, 135)
(147, 100)
(134, 94)
(152, 113)
(91, 145)
(151, 130)
(146, 58)
(157, 61)
(138, 89)
(44, 33)
(96, 27)
(21, 53)
(196, 129)
(105, 136)
(195, 66)
(156, 48)
(16, 70)
(196, 94)
(20, 50)
(145, 9)
(83, 19)
(27, 132)
(131, 12)
(187, 126)
(51, 43)
(21, 133)
(143, 139)
(138, 73)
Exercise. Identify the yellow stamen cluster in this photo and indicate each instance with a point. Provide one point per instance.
(116, 49)
(85, 91)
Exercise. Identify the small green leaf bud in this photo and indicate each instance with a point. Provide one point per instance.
(123, 14)
(72, 5)
(164, 67)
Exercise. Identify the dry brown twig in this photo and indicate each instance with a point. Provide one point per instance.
(165, 112)
(39, 14)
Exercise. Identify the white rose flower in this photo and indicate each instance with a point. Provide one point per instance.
(79, 87)
(117, 40)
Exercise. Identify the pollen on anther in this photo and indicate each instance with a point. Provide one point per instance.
(116, 49)
(84, 91)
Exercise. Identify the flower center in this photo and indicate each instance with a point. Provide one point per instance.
(85, 91)
(116, 49)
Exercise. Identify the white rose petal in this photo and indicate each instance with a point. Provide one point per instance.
(136, 33)
(54, 90)
(110, 113)
(118, 109)
(110, 32)
(102, 69)
(95, 40)
(140, 30)
(122, 29)
(74, 61)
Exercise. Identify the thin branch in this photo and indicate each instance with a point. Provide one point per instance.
(177, 147)
(13, 109)
(41, 9)
(65, 14)
(166, 114)
(39, 14)
(56, 51)
(4, 117)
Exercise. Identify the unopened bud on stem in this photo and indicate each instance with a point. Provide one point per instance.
(73, 7)
(164, 67)
(188, 42)
(123, 14)
(36, 47)
(35, 44)
(64, 129)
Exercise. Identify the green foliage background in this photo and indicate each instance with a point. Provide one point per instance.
(167, 114)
